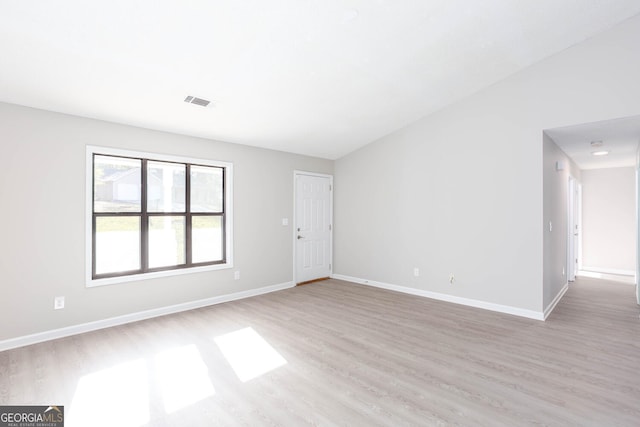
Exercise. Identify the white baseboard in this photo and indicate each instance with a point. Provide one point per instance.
(134, 317)
(629, 279)
(604, 270)
(556, 300)
(531, 314)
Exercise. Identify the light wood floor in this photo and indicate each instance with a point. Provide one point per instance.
(354, 356)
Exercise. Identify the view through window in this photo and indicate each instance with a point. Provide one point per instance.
(153, 214)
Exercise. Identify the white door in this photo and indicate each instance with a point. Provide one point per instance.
(313, 215)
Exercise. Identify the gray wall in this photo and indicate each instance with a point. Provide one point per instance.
(42, 183)
(461, 191)
(608, 220)
(555, 205)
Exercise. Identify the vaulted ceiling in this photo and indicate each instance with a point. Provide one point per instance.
(321, 78)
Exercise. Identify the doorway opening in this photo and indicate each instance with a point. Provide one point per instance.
(603, 222)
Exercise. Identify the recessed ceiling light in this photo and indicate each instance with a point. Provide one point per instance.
(596, 143)
(600, 153)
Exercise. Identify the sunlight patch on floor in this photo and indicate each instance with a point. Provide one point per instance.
(183, 377)
(114, 396)
(249, 354)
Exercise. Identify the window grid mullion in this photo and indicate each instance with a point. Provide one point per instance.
(145, 215)
(187, 209)
(144, 220)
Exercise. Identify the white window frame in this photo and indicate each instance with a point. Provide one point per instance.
(228, 209)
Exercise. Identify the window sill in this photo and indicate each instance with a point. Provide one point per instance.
(92, 283)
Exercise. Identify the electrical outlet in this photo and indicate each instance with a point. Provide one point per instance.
(285, 221)
(416, 272)
(451, 278)
(236, 275)
(58, 303)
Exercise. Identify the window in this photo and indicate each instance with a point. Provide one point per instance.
(152, 215)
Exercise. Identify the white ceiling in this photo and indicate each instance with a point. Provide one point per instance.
(321, 77)
(620, 137)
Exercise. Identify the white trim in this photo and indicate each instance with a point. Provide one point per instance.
(91, 283)
(579, 218)
(636, 278)
(572, 256)
(297, 173)
(531, 314)
(91, 149)
(321, 175)
(619, 272)
(556, 300)
(619, 278)
(134, 317)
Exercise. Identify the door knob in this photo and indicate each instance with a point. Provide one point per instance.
(300, 237)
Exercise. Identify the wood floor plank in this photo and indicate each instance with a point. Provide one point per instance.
(354, 355)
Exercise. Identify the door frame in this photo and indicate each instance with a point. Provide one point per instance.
(574, 218)
(294, 231)
(637, 278)
(571, 226)
(579, 222)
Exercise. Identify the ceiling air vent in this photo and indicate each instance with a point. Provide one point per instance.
(198, 101)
